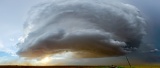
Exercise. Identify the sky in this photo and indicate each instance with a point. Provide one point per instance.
(13, 14)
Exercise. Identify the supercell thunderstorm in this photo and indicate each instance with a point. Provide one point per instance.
(88, 28)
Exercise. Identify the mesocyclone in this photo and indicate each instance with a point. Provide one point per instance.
(88, 28)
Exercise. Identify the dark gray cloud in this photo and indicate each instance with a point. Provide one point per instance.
(86, 28)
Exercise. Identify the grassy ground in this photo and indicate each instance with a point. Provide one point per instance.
(147, 66)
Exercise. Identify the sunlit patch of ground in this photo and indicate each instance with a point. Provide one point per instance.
(16, 66)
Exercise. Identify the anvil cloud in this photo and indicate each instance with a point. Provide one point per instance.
(88, 28)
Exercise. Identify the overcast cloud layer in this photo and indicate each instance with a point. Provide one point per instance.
(92, 28)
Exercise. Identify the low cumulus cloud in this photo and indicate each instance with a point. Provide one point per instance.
(87, 28)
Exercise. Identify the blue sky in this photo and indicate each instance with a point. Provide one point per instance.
(13, 14)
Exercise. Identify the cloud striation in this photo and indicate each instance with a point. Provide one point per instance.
(88, 28)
